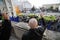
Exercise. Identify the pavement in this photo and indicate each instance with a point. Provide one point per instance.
(12, 37)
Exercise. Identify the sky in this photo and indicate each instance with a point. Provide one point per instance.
(39, 3)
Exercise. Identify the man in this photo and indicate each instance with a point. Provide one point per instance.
(5, 30)
(35, 32)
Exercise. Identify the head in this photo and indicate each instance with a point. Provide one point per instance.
(33, 23)
(5, 16)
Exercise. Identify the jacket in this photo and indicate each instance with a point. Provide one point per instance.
(5, 30)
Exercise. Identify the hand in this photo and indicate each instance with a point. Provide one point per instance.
(41, 15)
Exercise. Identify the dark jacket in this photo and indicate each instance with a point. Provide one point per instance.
(35, 34)
(5, 30)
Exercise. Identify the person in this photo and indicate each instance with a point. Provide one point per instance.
(5, 30)
(35, 32)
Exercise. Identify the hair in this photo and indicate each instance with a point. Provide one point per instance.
(32, 20)
(33, 23)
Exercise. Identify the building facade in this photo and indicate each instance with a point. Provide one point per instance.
(51, 5)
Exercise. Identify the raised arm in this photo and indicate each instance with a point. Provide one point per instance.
(43, 23)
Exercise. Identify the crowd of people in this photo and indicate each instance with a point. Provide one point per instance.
(34, 33)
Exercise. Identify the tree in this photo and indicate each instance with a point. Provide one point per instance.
(57, 9)
(51, 8)
(33, 9)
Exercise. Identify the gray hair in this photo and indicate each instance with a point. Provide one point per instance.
(33, 23)
(32, 20)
